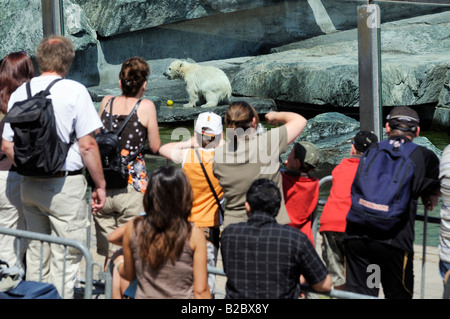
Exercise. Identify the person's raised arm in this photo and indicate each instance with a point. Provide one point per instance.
(91, 158)
(295, 123)
(175, 151)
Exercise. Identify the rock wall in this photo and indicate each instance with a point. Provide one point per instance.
(324, 70)
(299, 52)
(106, 32)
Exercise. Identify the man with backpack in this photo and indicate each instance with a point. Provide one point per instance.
(54, 196)
(379, 236)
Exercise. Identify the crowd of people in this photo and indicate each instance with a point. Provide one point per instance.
(228, 195)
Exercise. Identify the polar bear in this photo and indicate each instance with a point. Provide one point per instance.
(203, 83)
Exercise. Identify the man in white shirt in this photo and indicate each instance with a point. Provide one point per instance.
(56, 204)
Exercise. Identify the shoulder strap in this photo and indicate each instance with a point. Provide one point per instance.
(47, 90)
(110, 101)
(28, 89)
(128, 117)
(209, 183)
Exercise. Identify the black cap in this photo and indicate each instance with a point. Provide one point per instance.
(363, 140)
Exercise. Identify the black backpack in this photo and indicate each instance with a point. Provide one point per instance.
(115, 169)
(38, 150)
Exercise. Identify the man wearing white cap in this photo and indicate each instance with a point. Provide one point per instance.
(192, 154)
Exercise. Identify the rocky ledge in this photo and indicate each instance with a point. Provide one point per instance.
(323, 71)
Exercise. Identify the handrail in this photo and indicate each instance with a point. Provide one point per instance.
(333, 293)
(315, 217)
(61, 241)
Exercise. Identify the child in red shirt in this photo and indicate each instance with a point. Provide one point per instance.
(334, 213)
(300, 188)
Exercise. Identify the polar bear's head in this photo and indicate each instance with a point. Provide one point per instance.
(174, 71)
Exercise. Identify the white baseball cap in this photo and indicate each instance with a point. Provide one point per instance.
(209, 123)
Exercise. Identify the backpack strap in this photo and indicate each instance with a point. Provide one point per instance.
(47, 90)
(128, 117)
(110, 112)
(28, 89)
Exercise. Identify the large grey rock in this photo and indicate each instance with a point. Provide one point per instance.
(21, 26)
(117, 17)
(324, 70)
(444, 95)
(332, 134)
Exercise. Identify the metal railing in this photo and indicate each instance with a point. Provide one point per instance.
(61, 241)
(333, 293)
(107, 275)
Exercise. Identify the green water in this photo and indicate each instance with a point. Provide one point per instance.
(438, 138)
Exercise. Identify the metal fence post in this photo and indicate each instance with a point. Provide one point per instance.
(369, 67)
(52, 17)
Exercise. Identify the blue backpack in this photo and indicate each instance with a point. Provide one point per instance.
(381, 190)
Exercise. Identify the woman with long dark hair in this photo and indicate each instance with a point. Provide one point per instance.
(15, 69)
(162, 249)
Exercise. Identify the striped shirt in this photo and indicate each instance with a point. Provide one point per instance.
(264, 260)
(444, 176)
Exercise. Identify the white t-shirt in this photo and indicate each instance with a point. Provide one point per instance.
(74, 110)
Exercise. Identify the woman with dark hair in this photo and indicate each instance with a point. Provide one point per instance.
(250, 152)
(123, 204)
(15, 69)
(162, 249)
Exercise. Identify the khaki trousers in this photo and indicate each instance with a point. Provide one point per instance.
(11, 216)
(57, 207)
(122, 205)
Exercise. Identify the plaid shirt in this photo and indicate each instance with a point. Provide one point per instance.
(264, 260)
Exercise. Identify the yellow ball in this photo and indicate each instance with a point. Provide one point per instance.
(169, 102)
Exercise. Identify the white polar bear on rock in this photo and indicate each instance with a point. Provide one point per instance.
(203, 83)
